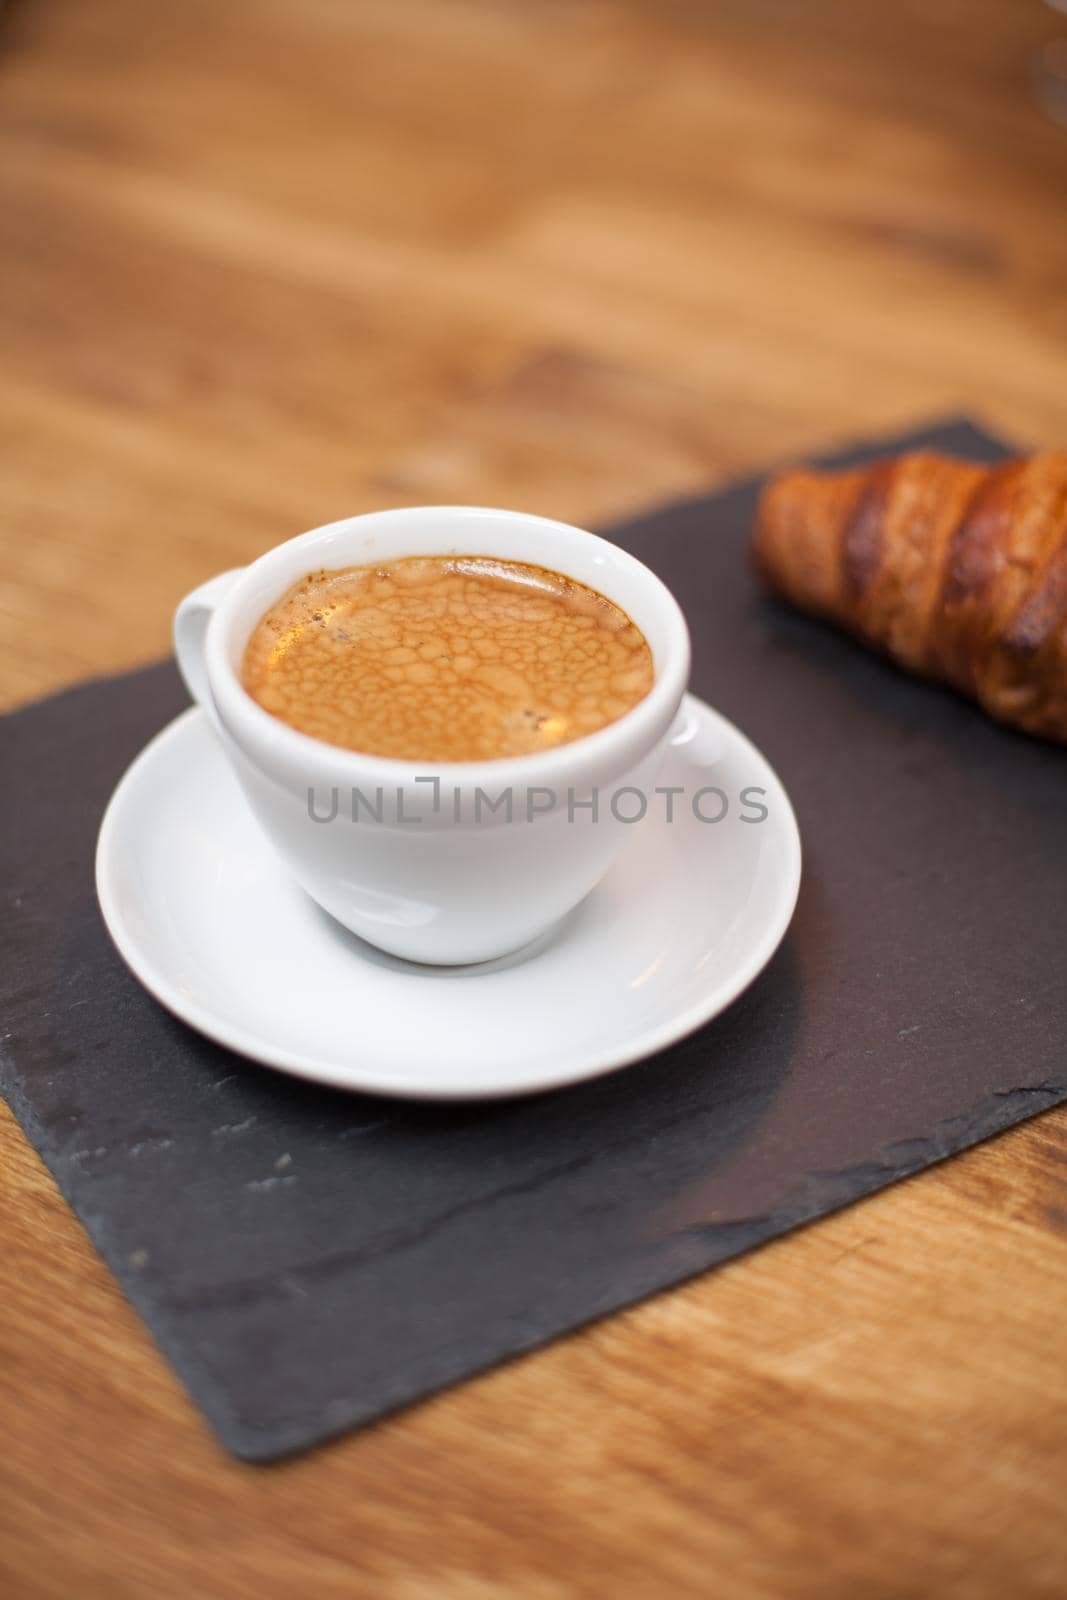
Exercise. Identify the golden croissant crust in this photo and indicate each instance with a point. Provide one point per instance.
(958, 572)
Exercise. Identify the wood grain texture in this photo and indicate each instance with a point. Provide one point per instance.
(269, 263)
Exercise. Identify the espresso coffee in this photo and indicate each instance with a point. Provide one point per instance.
(446, 658)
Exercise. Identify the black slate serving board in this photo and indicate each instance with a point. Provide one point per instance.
(917, 1006)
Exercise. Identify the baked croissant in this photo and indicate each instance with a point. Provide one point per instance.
(958, 572)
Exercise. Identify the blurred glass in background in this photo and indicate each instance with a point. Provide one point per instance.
(1050, 70)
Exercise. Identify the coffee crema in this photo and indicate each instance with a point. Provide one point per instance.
(446, 658)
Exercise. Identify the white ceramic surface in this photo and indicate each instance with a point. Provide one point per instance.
(213, 925)
(452, 883)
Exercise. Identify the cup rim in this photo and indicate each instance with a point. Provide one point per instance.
(273, 741)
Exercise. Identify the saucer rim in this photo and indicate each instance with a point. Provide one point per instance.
(587, 1066)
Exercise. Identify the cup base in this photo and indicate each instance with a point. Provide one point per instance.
(369, 951)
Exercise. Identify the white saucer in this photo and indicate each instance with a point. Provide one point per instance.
(214, 927)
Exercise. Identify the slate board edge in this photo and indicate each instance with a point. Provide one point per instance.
(195, 1376)
(996, 1114)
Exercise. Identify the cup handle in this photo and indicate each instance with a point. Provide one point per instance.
(190, 630)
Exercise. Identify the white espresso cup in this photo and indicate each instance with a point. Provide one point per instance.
(444, 862)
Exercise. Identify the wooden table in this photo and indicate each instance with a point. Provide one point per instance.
(265, 264)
